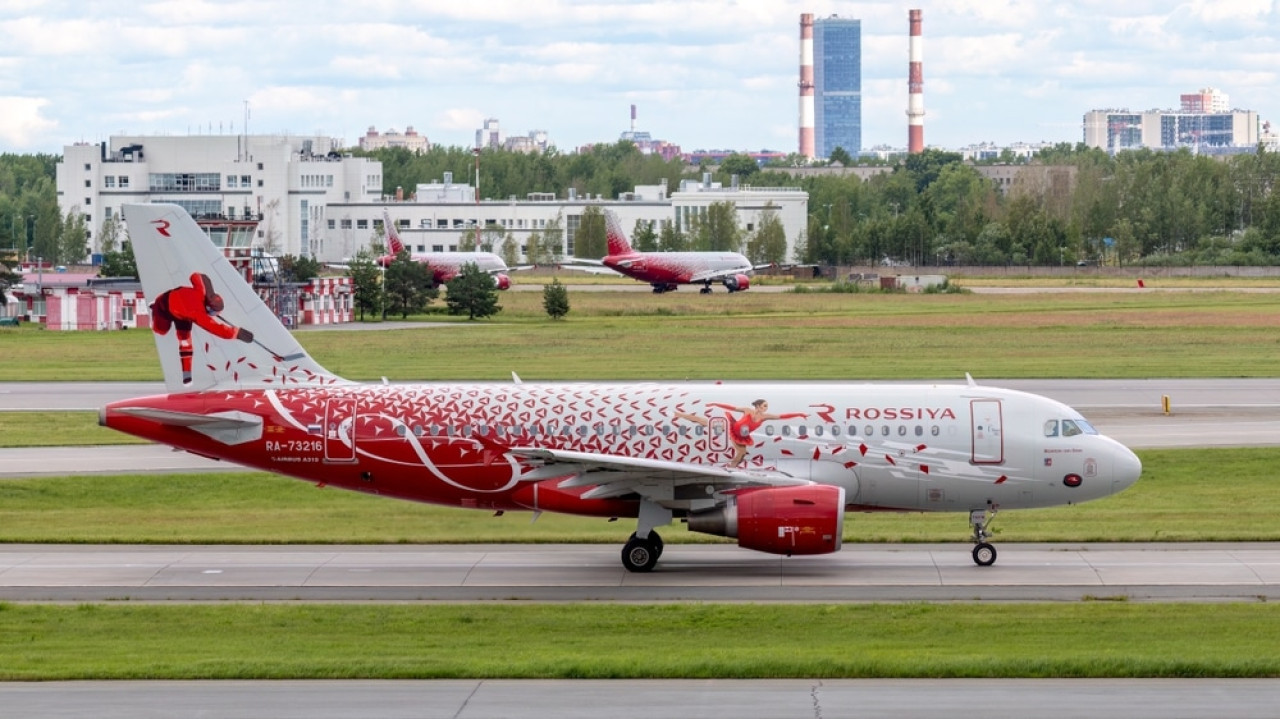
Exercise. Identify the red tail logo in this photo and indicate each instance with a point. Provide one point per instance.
(162, 226)
(618, 244)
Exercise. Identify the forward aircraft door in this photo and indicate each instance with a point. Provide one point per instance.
(340, 429)
(988, 431)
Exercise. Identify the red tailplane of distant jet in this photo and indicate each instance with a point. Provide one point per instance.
(774, 465)
(668, 270)
(446, 265)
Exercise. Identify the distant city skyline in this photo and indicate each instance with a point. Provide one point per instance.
(703, 74)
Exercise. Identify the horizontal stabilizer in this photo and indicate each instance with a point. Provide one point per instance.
(226, 427)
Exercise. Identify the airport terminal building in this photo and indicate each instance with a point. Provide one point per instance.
(310, 198)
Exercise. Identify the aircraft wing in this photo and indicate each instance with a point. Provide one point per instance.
(717, 275)
(614, 475)
(593, 267)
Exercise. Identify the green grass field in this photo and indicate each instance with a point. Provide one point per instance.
(1184, 495)
(605, 641)
(757, 336)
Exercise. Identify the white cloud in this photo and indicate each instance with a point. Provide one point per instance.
(21, 121)
(706, 73)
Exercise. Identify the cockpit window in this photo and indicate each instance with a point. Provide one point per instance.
(1070, 428)
(1051, 428)
(1085, 427)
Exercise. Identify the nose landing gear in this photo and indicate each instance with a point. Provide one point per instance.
(984, 554)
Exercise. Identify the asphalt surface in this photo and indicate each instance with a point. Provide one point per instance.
(577, 573)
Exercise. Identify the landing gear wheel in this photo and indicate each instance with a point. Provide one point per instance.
(640, 555)
(653, 538)
(984, 555)
(706, 290)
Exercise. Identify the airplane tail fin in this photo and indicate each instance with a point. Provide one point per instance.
(212, 329)
(394, 245)
(618, 244)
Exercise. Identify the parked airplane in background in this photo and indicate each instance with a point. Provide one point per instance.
(446, 265)
(775, 466)
(667, 270)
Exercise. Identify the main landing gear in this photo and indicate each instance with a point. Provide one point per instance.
(984, 554)
(642, 550)
(640, 555)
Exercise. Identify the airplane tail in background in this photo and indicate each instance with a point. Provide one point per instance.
(394, 245)
(212, 329)
(618, 244)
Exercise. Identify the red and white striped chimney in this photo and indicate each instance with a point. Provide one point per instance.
(806, 86)
(915, 88)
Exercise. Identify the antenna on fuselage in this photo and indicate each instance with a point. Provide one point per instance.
(969, 377)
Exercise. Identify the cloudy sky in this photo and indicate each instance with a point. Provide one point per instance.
(703, 73)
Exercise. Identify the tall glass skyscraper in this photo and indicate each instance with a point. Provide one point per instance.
(837, 85)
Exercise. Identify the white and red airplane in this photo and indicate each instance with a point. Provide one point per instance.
(446, 265)
(777, 478)
(668, 270)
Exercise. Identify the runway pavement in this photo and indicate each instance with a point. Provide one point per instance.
(718, 573)
(646, 699)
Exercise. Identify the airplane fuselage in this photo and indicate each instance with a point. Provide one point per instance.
(446, 265)
(889, 447)
(662, 269)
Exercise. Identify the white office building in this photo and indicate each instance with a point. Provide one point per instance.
(442, 216)
(309, 198)
(283, 181)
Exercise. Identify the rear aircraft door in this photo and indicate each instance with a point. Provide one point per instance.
(340, 429)
(988, 431)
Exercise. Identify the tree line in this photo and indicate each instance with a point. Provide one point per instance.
(1068, 203)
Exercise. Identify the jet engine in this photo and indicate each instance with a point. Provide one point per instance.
(780, 520)
(737, 283)
(501, 281)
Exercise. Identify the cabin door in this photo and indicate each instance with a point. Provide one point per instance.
(340, 429)
(988, 431)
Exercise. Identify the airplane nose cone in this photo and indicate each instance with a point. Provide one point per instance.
(1127, 468)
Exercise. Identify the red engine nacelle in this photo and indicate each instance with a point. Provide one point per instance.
(502, 281)
(737, 283)
(780, 520)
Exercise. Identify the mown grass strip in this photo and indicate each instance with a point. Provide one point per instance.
(755, 336)
(58, 429)
(379, 641)
(1184, 495)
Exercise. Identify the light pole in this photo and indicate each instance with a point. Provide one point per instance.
(31, 238)
(478, 223)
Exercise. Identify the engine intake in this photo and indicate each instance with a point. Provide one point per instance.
(737, 283)
(780, 520)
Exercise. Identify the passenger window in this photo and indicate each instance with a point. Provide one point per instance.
(1069, 428)
(1051, 428)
